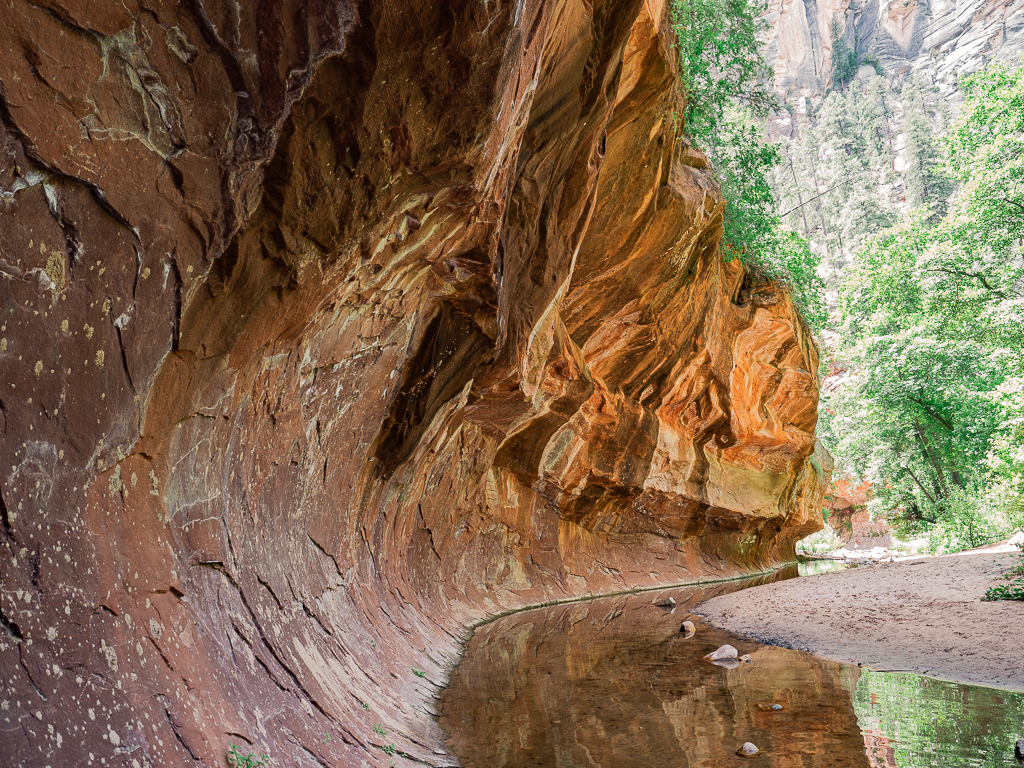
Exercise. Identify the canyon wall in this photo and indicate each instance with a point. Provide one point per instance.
(941, 39)
(330, 328)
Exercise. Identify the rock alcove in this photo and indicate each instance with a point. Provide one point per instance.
(329, 329)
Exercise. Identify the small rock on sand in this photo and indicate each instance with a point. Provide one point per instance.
(746, 658)
(723, 653)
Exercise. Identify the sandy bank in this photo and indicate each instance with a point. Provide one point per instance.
(922, 616)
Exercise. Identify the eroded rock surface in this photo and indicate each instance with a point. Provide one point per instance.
(330, 328)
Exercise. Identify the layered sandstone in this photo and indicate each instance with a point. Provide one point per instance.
(331, 328)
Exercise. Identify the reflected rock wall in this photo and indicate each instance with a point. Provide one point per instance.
(330, 328)
(614, 683)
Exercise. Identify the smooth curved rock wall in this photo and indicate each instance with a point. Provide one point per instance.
(331, 328)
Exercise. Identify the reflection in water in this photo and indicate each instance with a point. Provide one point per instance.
(814, 567)
(909, 720)
(612, 682)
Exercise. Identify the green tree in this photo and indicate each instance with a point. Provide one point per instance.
(929, 324)
(925, 182)
(729, 91)
(847, 60)
(721, 64)
(985, 152)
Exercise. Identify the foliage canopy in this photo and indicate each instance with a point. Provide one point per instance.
(929, 325)
(728, 89)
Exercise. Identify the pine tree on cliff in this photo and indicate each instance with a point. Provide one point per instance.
(846, 60)
(924, 182)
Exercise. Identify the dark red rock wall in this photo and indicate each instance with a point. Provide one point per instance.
(330, 328)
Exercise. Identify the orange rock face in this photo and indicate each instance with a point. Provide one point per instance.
(330, 328)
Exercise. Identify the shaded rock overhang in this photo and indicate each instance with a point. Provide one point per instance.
(328, 329)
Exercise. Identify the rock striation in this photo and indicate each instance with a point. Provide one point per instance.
(330, 328)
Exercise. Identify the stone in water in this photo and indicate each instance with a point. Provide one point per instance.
(666, 602)
(748, 750)
(688, 629)
(725, 652)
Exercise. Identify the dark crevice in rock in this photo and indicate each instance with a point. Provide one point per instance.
(63, 18)
(28, 673)
(32, 153)
(451, 349)
(301, 689)
(124, 359)
(273, 595)
(176, 730)
(5, 517)
(13, 630)
(175, 304)
(34, 563)
(323, 551)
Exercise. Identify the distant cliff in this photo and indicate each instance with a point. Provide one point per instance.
(941, 39)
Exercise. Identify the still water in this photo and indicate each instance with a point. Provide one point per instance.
(612, 682)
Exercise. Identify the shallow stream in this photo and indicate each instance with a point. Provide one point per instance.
(613, 682)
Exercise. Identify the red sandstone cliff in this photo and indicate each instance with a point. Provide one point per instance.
(330, 327)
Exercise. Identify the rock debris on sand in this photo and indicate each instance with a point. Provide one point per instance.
(923, 616)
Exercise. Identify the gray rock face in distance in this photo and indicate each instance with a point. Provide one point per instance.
(942, 39)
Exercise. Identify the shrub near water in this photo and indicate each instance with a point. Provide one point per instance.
(1014, 590)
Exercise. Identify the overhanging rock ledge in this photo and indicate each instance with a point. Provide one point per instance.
(330, 328)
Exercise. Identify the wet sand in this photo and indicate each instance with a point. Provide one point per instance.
(924, 616)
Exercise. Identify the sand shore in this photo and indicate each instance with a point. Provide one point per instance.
(923, 616)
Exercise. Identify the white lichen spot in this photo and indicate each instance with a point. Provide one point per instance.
(155, 482)
(145, 273)
(39, 367)
(110, 654)
(88, 331)
(99, 358)
(155, 629)
(92, 713)
(114, 738)
(64, 325)
(116, 486)
(106, 302)
(3, 345)
(51, 633)
(135, 479)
